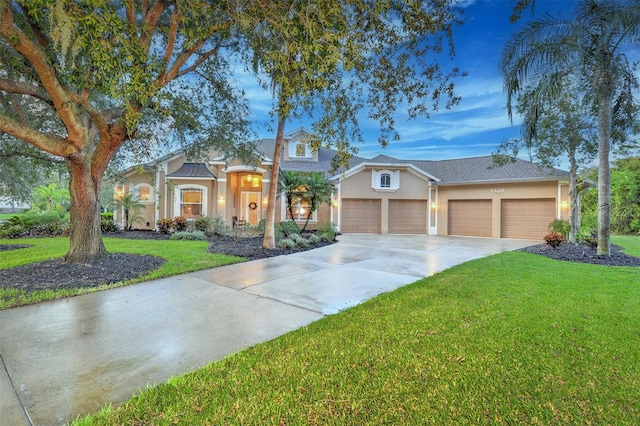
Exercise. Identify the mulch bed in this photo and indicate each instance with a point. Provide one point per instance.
(117, 267)
(584, 254)
(55, 274)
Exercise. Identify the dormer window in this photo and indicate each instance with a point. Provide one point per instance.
(385, 180)
(299, 150)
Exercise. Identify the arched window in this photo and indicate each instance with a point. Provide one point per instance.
(385, 180)
(143, 193)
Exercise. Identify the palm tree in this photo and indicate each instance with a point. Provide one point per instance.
(291, 184)
(131, 210)
(591, 45)
(317, 190)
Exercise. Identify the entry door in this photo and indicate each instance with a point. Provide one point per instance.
(250, 207)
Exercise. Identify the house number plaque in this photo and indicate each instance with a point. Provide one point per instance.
(497, 189)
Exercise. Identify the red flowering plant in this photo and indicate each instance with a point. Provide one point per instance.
(554, 239)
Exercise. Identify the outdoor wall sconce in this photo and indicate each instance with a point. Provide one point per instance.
(434, 206)
(265, 200)
(221, 199)
(564, 204)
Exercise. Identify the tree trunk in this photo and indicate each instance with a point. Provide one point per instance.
(269, 240)
(85, 235)
(574, 209)
(604, 173)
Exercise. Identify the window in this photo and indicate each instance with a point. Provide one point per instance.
(143, 193)
(385, 180)
(300, 209)
(299, 150)
(190, 202)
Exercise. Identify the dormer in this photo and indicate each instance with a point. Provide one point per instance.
(297, 148)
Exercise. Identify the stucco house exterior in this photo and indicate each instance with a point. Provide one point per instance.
(466, 197)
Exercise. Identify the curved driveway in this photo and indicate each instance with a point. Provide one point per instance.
(69, 357)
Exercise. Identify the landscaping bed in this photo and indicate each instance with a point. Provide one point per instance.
(117, 267)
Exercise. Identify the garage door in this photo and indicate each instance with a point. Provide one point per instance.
(527, 218)
(360, 216)
(407, 217)
(469, 218)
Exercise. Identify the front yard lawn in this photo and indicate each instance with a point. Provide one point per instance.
(180, 257)
(514, 338)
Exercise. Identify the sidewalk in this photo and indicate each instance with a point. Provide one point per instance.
(70, 357)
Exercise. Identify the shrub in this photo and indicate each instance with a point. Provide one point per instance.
(329, 237)
(554, 239)
(299, 240)
(329, 230)
(50, 229)
(289, 228)
(591, 241)
(107, 223)
(286, 243)
(191, 236)
(313, 239)
(219, 227)
(180, 223)
(12, 230)
(561, 226)
(202, 223)
(164, 225)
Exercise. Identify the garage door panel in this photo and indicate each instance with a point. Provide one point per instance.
(407, 216)
(469, 218)
(528, 218)
(360, 216)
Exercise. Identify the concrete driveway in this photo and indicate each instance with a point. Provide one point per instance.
(69, 357)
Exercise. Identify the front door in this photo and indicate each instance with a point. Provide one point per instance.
(250, 207)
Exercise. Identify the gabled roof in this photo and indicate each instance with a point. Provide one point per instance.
(266, 148)
(483, 169)
(192, 171)
(470, 170)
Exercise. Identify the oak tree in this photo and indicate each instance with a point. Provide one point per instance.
(98, 69)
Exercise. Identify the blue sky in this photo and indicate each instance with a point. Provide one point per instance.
(479, 123)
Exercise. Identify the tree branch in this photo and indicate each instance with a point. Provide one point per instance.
(37, 58)
(199, 61)
(173, 33)
(53, 144)
(35, 155)
(21, 88)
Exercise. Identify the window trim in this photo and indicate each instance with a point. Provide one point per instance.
(377, 184)
(177, 202)
(293, 149)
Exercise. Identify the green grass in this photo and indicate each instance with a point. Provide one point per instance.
(513, 338)
(180, 256)
(630, 243)
(7, 216)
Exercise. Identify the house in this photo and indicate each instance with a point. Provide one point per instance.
(466, 197)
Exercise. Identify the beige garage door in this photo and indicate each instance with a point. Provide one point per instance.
(469, 218)
(527, 218)
(407, 217)
(360, 216)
